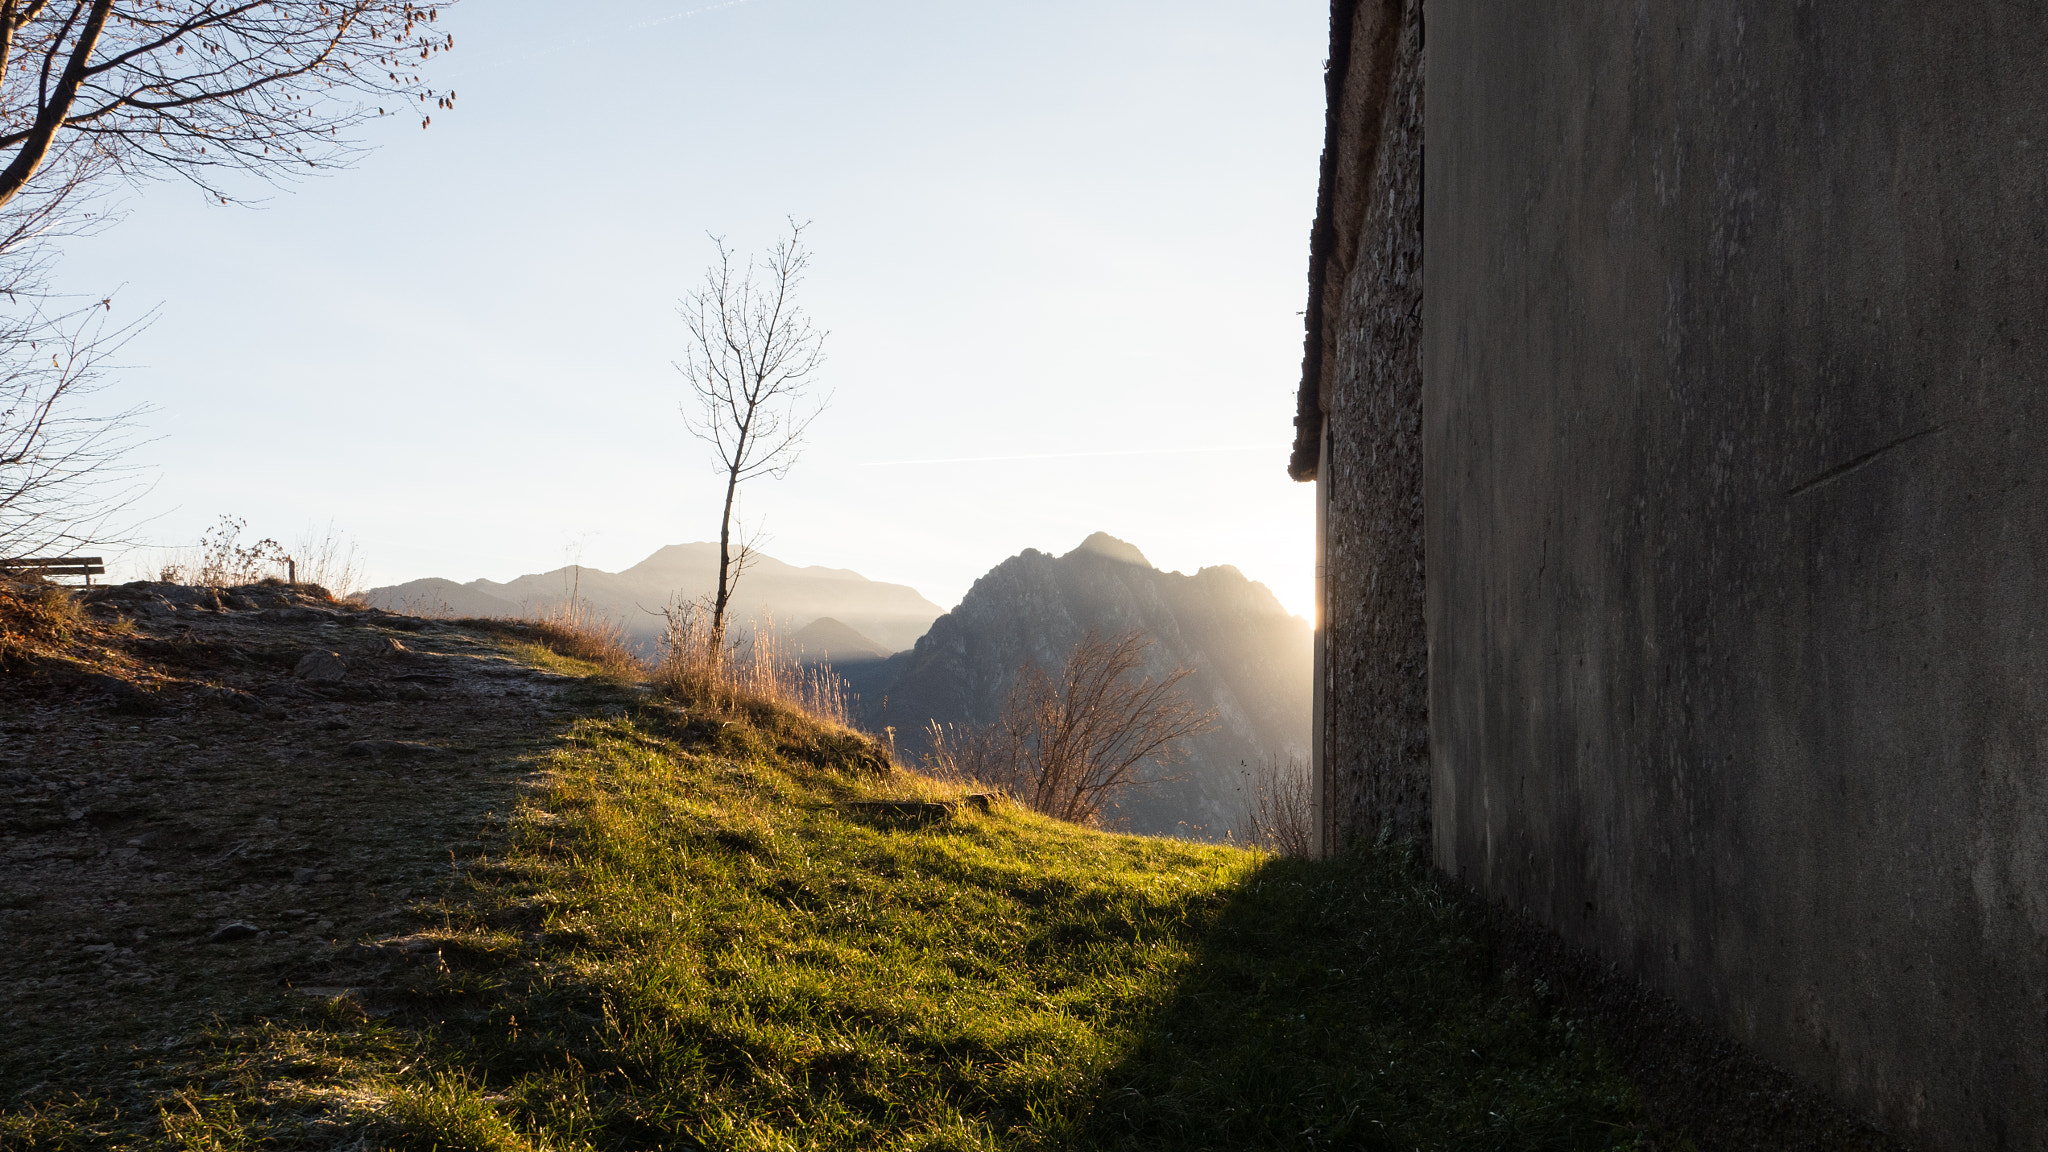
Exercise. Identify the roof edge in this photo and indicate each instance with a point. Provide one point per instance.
(1308, 414)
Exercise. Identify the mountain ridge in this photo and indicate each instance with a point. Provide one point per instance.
(891, 615)
(1250, 660)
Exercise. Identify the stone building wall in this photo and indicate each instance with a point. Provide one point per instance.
(1736, 465)
(1360, 433)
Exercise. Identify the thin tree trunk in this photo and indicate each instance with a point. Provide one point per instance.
(725, 581)
(728, 580)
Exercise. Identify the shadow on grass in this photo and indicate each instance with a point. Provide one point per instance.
(1352, 1003)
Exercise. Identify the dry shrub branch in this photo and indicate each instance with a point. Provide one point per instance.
(1277, 803)
(225, 562)
(62, 472)
(98, 93)
(1068, 744)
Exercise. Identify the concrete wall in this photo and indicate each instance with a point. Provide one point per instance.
(1736, 442)
(1373, 772)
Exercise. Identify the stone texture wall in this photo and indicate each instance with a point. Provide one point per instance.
(1736, 414)
(1375, 753)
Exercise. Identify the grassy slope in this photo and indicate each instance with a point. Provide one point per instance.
(680, 941)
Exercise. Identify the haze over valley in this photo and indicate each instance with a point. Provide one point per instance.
(891, 616)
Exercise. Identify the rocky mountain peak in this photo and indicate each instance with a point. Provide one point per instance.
(1249, 660)
(1103, 544)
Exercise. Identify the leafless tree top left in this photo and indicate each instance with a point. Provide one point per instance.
(204, 87)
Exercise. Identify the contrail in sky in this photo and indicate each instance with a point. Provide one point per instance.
(1076, 455)
(682, 15)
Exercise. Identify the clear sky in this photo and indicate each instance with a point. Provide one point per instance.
(1060, 246)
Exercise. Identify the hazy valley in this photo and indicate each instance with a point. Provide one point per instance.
(891, 616)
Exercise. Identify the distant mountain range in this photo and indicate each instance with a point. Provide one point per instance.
(1251, 663)
(881, 618)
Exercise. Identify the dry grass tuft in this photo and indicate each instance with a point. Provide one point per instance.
(576, 631)
(37, 619)
(756, 683)
(750, 674)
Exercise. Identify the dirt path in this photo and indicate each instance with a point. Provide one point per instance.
(214, 848)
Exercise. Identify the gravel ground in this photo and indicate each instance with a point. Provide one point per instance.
(259, 794)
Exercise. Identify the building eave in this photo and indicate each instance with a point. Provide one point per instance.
(1308, 417)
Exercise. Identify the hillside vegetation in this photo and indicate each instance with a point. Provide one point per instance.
(684, 933)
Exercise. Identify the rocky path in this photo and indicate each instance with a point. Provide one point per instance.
(268, 782)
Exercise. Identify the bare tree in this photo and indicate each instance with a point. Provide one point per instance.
(750, 362)
(201, 87)
(1066, 745)
(92, 89)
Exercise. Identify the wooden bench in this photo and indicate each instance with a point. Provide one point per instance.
(86, 566)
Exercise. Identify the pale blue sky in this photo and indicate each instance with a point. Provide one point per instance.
(1048, 231)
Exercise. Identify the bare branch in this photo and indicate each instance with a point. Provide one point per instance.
(61, 470)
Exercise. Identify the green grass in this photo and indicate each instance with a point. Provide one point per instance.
(681, 941)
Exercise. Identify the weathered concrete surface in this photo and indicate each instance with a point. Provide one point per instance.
(1737, 542)
(1364, 372)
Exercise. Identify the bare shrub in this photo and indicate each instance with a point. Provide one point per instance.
(225, 562)
(753, 669)
(1276, 806)
(1068, 744)
(61, 473)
